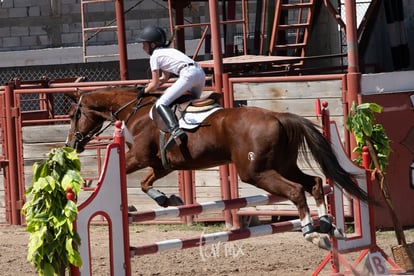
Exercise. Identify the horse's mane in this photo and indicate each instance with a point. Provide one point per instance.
(108, 89)
(121, 89)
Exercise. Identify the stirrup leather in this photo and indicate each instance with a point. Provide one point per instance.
(177, 136)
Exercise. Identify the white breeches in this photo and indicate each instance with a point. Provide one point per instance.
(192, 79)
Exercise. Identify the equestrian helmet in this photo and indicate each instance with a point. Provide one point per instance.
(153, 34)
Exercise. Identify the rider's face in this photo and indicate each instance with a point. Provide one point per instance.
(146, 47)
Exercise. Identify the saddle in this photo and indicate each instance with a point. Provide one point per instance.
(187, 104)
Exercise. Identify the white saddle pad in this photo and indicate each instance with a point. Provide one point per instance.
(193, 119)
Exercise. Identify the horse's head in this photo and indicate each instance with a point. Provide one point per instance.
(93, 108)
(84, 124)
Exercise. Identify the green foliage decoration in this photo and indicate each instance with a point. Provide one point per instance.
(361, 121)
(51, 210)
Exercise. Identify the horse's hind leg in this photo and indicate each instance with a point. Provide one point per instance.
(276, 184)
(314, 186)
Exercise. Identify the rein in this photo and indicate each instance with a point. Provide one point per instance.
(114, 117)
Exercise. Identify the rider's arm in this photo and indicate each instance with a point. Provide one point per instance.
(164, 77)
(154, 83)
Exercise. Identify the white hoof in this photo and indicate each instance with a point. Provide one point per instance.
(325, 243)
(321, 241)
(339, 234)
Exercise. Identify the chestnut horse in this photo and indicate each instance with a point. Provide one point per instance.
(263, 145)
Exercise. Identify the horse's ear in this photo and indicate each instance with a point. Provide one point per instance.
(73, 96)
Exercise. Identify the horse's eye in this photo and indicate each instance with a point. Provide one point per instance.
(75, 113)
(72, 115)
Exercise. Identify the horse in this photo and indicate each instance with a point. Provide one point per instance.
(263, 145)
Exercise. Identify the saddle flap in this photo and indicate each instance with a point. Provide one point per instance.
(183, 105)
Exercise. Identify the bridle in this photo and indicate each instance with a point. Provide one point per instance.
(80, 138)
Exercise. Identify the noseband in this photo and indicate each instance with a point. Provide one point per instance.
(79, 136)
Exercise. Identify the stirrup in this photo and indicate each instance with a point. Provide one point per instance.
(177, 136)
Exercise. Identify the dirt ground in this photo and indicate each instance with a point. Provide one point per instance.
(279, 254)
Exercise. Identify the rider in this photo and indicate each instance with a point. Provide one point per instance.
(163, 62)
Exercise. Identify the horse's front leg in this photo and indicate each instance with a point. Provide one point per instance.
(159, 197)
(135, 160)
(325, 223)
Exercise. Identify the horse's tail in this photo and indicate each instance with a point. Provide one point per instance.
(299, 130)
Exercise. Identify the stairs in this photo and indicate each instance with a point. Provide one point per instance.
(291, 27)
(90, 34)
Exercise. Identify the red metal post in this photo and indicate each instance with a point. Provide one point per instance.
(366, 160)
(13, 169)
(179, 20)
(188, 192)
(3, 157)
(19, 153)
(318, 108)
(216, 41)
(226, 185)
(233, 186)
(353, 76)
(123, 56)
(218, 85)
(326, 126)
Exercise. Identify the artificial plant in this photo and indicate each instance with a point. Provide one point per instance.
(51, 211)
(367, 133)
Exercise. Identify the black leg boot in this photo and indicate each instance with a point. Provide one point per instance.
(177, 134)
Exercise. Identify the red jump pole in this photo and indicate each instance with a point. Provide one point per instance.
(213, 238)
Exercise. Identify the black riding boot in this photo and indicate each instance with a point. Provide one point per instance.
(177, 134)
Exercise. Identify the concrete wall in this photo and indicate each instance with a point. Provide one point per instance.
(39, 24)
(35, 24)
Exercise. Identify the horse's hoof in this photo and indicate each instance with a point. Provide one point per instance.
(325, 243)
(325, 224)
(321, 241)
(158, 196)
(162, 201)
(174, 200)
(338, 234)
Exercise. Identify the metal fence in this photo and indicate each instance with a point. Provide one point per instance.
(103, 71)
